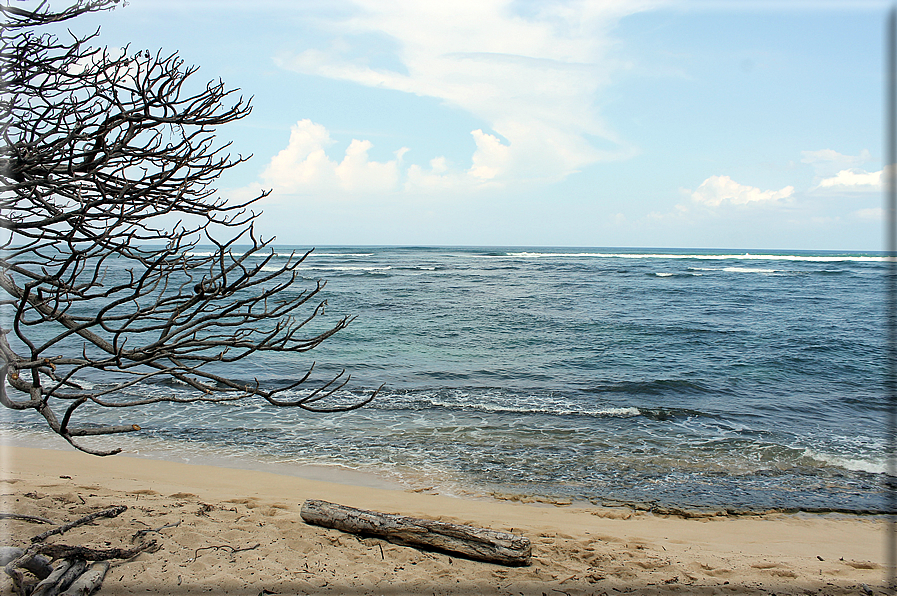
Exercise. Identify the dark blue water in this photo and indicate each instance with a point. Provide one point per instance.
(678, 378)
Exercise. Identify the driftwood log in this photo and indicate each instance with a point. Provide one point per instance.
(73, 569)
(89, 581)
(44, 587)
(475, 543)
(64, 573)
(37, 564)
(65, 551)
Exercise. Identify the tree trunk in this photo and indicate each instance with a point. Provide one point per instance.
(475, 543)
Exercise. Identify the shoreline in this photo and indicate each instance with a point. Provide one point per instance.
(576, 550)
(341, 474)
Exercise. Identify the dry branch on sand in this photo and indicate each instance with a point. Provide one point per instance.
(33, 573)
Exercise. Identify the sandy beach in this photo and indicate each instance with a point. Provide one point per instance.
(240, 532)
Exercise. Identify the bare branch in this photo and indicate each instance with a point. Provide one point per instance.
(110, 512)
(108, 161)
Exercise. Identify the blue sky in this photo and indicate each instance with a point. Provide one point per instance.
(633, 123)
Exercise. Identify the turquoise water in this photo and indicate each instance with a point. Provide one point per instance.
(675, 377)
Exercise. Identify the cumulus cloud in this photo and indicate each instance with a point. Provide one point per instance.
(490, 158)
(530, 71)
(853, 179)
(840, 172)
(488, 169)
(717, 190)
(304, 165)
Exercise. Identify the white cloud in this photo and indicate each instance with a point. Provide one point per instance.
(304, 165)
(533, 77)
(489, 167)
(829, 159)
(830, 155)
(872, 214)
(853, 179)
(717, 190)
(490, 158)
(839, 172)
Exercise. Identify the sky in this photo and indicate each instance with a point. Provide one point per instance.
(593, 123)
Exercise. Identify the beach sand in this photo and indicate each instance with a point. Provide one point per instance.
(240, 532)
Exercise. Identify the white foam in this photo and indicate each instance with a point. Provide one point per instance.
(749, 270)
(557, 409)
(709, 257)
(340, 268)
(263, 254)
(269, 268)
(852, 464)
(83, 383)
(620, 412)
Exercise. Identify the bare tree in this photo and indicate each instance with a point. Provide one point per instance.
(107, 161)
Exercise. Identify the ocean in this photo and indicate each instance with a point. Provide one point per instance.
(722, 379)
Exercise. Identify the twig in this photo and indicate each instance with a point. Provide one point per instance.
(30, 518)
(111, 512)
(142, 533)
(220, 546)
